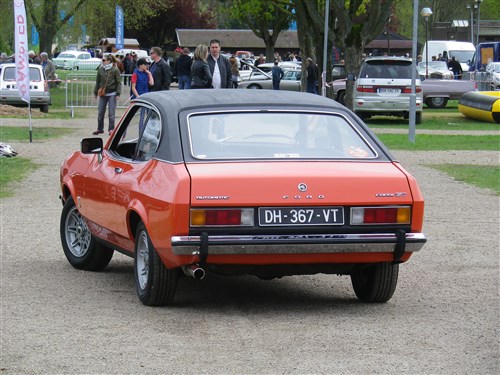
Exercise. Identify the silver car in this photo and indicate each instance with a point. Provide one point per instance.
(493, 70)
(290, 82)
(384, 88)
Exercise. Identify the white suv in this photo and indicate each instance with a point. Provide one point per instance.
(39, 89)
(384, 88)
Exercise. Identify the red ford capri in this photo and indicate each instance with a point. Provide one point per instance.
(257, 182)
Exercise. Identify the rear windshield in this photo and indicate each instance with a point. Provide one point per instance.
(275, 135)
(10, 74)
(386, 69)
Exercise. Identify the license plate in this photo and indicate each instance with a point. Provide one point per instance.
(384, 90)
(272, 216)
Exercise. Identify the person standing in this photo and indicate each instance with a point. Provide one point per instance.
(201, 78)
(456, 68)
(34, 59)
(48, 67)
(235, 71)
(126, 66)
(160, 69)
(141, 79)
(219, 67)
(183, 69)
(312, 76)
(277, 74)
(107, 89)
(260, 60)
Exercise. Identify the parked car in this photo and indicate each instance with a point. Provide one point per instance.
(90, 64)
(269, 184)
(384, 88)
(435, 70)
(67, 59)
(39, 88)
(338, 88)
(250, 72)
(437, 92)
(290, 81)
(493, 69)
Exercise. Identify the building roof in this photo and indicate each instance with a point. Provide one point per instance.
(234, 38)
(126, 41)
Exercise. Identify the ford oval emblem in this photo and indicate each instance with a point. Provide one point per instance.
(302, 187)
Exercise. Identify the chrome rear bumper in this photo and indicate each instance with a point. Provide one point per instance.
(297, 244)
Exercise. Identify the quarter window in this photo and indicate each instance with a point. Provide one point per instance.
(139, 136)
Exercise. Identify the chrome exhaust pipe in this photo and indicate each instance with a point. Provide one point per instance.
(195, 271)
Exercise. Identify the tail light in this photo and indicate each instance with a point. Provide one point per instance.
(213, 217)
(407, 90)
(362, 88)
(380, 215)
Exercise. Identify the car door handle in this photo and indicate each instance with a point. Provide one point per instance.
(118, 170)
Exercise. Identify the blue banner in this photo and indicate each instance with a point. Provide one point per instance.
(34, 36)
(119, 27)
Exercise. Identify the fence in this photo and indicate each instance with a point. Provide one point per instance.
(80, 91)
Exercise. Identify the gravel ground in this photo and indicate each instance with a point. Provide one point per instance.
(443, 319)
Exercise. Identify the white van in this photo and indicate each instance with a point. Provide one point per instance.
(141, 54)
(463, 51)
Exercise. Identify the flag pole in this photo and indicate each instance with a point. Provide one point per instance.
(29, 119)
(21, 54)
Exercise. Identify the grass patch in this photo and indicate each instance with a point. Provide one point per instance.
(16, 133)
(13, 169)
(487, 177)
(433, 142)
(448, 118)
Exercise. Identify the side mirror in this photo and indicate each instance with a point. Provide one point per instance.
(91, 145)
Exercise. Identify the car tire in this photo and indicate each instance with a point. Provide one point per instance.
(418, 118)
(341, 97)
(80, 247)
(254, 87)
(155, 284)
(44, 109)
(436, 102)
(376, 283)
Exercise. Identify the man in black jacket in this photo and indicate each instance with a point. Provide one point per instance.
(160, 70)
(219, 67)
(183, 69)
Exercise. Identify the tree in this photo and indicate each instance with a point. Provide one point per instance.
(353, 24)
(161, 29)
(265, 18)
(46, 16)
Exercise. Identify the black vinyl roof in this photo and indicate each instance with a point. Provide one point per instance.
(178, 100)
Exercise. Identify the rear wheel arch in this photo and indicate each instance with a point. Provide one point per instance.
(133, 222)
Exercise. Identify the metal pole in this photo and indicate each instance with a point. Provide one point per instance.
(427, 48)
(413, 95)
(477, 33)
(325, 48)
(472, 24)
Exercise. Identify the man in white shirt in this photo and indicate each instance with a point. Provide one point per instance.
(219, 67)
